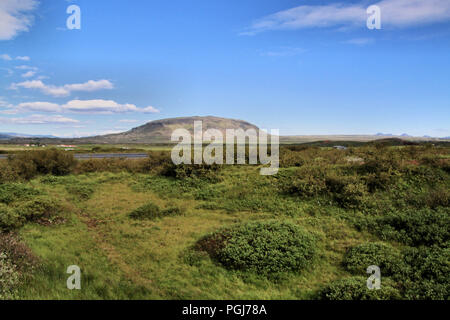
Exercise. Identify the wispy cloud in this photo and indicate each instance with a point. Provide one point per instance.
(98, 106)
(23, 58)
(39, 119)
(359, 41)
(65, 90)
(150, 109)
(128, 121)
(15, 17)
(394, 14)
(24, 67)
(5, 57)
(29, 74)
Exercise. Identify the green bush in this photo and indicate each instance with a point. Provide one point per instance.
(427, 263)
(263, 247)
(148, 211)
(426, 290)
(39, 207)
(151, 211)
(9, 218)
(347, 191)
(358, 258)
(413, 227)
(355, 288)
(32, 210)
(171, 211)
(7, 173)
(209, 173)
(427, 273)
(50, 161)
(12, 192)
(306, 181)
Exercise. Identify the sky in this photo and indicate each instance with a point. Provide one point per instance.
(304, 67)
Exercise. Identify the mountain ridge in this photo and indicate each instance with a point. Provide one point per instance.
(160, 131)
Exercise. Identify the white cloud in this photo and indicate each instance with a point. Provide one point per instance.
(91, 85)
(24, 67)
(150, 109)
(128, 121)
(66, 90)
(29, 74)
(40, 106)
(394, 14)
(39, 119)
(98, 106)
(5, 57)
(15, 17)
(23, 58)
(360, 41)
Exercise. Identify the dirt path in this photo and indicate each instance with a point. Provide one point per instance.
(94, 226)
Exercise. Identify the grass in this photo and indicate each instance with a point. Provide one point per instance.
(122, 258)
(93, 148)
(125, 258)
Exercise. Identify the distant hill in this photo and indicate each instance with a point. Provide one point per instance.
(12, 135)
(5, 136)
(160, 131)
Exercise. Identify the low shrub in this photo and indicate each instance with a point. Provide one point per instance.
(157, 162)
(307, 181)
(355, 288)
(209, 173)
(151, 211)
(171, 211)
(427, 263)
(413, 227)
(11, 192)
(7, 173)
(263, 247)
(358, 258)
(426, 290)
(39, 207)
(148, 211)
(17, 252)
(438, 197)
(9, 218)
(426, 274)
(108, 165)
(32, 210)
(9, 278)
(347, 191)
(49, 161)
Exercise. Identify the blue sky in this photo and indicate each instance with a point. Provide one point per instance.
(304, 67)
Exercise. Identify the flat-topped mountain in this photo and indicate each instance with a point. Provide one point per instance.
(160, 131)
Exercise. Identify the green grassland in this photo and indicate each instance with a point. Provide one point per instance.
(139, 229)
(90, 148)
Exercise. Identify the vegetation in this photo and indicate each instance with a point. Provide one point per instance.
(358, 258)
(142, 229)
(355, 288)
(152, 211)
(262, 247)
